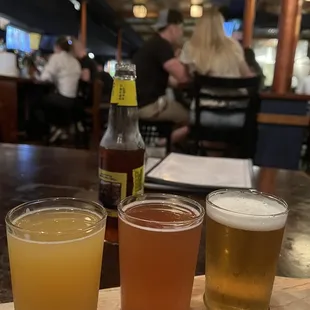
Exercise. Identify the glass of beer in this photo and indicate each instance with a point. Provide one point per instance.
(55, 249)
(159, 238)
(244, 231)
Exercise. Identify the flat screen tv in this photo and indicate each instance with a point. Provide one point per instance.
(17, 39)
(47, 42)
(35, 39)
(231, 26)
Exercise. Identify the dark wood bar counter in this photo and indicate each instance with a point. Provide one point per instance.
(10, 89)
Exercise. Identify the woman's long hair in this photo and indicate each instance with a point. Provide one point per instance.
(211, 51)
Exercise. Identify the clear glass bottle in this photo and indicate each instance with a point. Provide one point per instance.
(122, 149)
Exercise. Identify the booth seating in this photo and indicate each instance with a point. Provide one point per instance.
(283, 124)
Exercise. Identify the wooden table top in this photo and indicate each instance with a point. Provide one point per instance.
(29, 172)
(23, 80)
(288, 294)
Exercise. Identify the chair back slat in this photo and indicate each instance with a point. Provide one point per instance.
(152, 130)
(226, 83)
(233, 95)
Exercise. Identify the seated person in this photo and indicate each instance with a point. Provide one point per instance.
(254, 65)
(155, 61)
(89, 71)
(210, 52)
(64, 71)
(107, 80)
(304, 86)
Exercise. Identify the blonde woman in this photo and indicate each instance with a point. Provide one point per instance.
(210, 52)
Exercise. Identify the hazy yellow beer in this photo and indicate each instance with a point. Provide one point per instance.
(244, 231)
(55, 249)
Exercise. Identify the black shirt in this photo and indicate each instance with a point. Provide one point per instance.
(85, 90)
(107, 85)
(90, 64)
(152, 78)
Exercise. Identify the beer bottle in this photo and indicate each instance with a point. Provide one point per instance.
(122, 150)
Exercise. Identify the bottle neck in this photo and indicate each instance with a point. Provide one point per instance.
(123, 119)
(124, 92)
(123, 115)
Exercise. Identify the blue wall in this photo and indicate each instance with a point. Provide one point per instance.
(279, 146)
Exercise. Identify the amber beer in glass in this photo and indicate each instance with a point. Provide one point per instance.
(159, 239)
(55, 248)
(244, 231)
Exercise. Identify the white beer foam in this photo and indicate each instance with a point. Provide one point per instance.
(247, 211)
(169, 226)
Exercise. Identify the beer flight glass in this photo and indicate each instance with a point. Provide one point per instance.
(159, 238)
(55, 248)
(244, 231)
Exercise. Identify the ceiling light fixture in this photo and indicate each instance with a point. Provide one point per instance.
(196, 10)
(76, 4)
(139, 10)
(196, 2)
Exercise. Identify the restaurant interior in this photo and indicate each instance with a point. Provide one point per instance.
(270, 152)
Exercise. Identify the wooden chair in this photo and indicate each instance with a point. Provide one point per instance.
(153, 130)
(87, 112)
(93, 112)
(244, 136)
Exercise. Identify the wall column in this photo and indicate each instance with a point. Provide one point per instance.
(289, 28)
(83, 30)
(248, 22)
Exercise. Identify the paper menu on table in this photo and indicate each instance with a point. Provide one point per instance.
(203, 171)
(150, 163)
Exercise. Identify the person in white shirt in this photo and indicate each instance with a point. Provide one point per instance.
(304, 86)
(64, 71)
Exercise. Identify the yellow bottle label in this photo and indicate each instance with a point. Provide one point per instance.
(124, 93)
(113, 187)
(138, 181)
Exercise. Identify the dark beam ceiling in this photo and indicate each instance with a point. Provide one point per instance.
(59, 17)
(106, 17)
